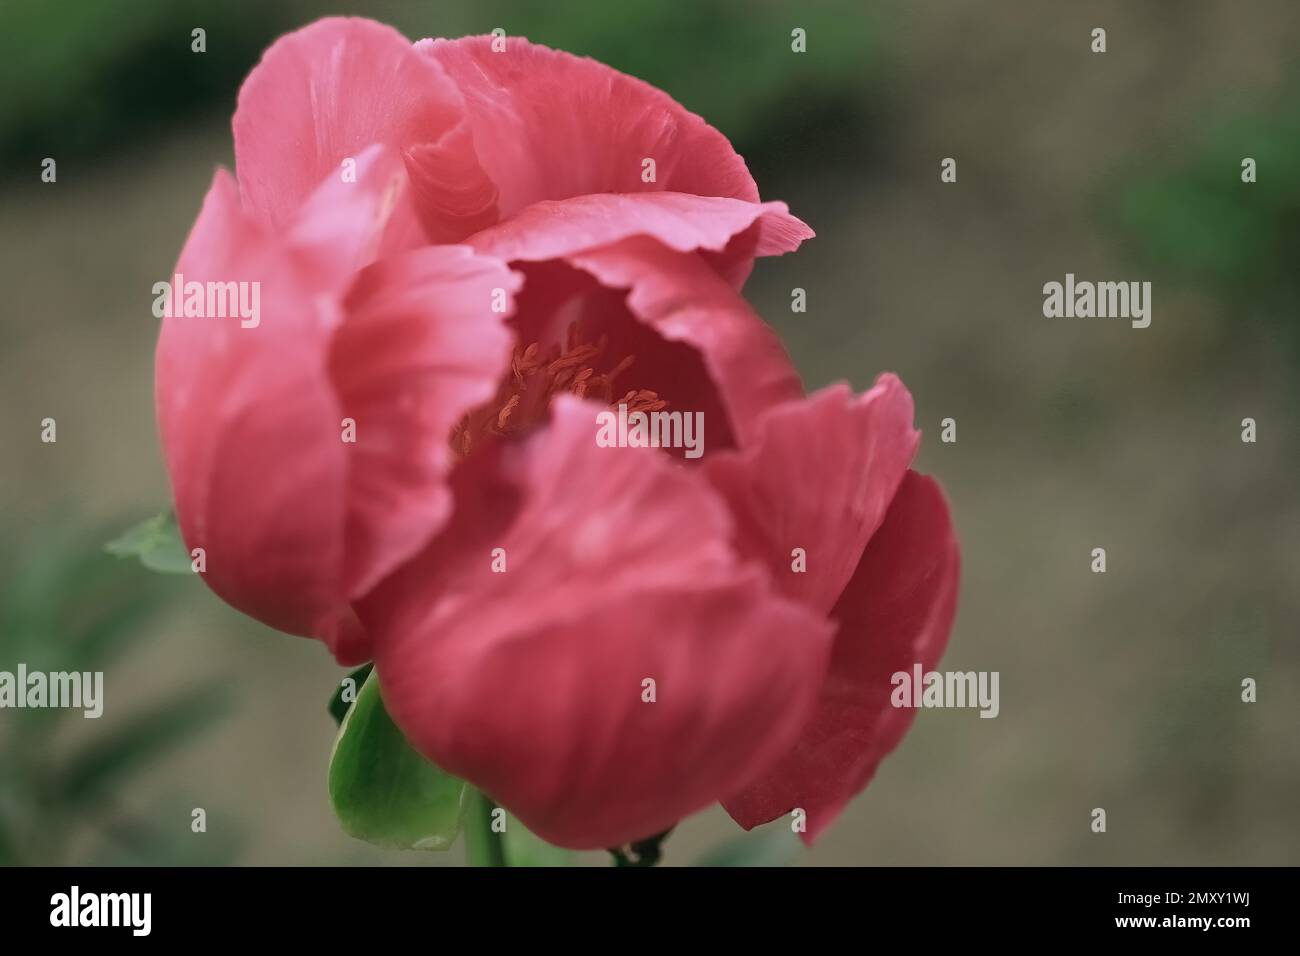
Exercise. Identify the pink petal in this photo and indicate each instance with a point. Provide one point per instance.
(769, 235)
(819, 477)
(897, 611)
(343, 226)
(681, 299)
(232, 401)
(323, 94)
(452, 194)
(555, 229)
(294, 521)
(528, 683)
(556, 295)
(420, 348)
(680, 221)
(549, 125)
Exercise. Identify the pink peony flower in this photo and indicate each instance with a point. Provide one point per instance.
(499, 271)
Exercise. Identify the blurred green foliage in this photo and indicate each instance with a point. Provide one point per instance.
(96, 76)
(1204, 228)
(67, 606)
(82, 78)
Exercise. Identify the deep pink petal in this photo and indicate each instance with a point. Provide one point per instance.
(421, 347)
(678, 297)
(296, 522)
(819, 477)
(556, 295)
(528, 683)
(550, 125)
(325, 93)
(249, 427)
(897, 611)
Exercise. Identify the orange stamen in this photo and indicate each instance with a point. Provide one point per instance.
(526, 391)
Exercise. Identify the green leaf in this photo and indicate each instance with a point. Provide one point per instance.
(157, 543)
(338, 707)
(384, 792)
(777, 846)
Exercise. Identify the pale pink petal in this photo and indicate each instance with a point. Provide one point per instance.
(343, 226)
(896, 612)
(818, 478)
(324, 94)
(529, 683)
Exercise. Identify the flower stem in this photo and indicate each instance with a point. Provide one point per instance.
(484, 846)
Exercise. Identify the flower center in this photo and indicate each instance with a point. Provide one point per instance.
(534, 379)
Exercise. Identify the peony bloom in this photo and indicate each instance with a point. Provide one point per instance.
(469, 253)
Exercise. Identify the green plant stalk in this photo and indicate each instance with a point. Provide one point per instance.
(483, 845)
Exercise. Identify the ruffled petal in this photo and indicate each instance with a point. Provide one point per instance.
(678, 297)
(529, 680)
(421, 347)
(296, 520)
(819, 478)
(550, 125)
(343, 226)
(325, 93)
(896, 612)
(769, 235)
(453, 196)
(685, 223)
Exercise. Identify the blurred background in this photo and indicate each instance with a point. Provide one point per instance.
(1119, 690)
